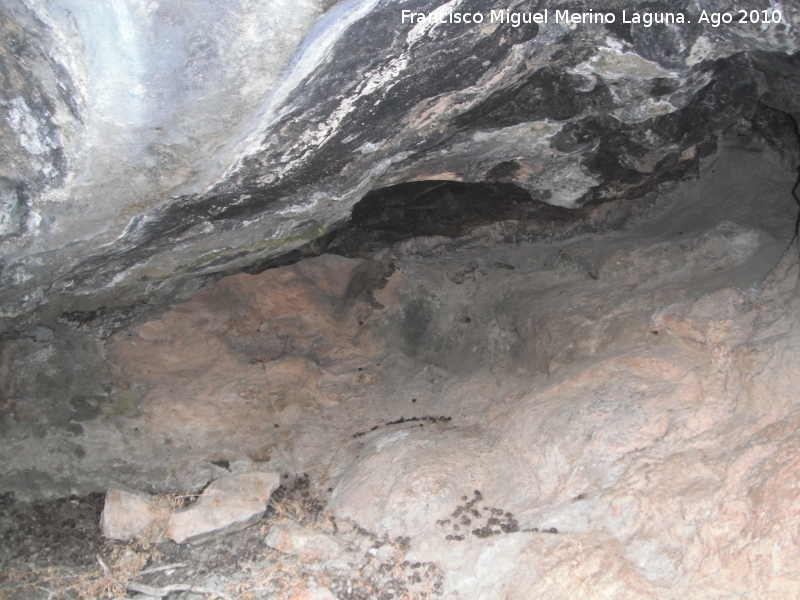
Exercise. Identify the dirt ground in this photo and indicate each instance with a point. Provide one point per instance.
(54, 549)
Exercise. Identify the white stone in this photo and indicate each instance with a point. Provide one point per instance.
(227, 505)
(292, 538)
(314, 592)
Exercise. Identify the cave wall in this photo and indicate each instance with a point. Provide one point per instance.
(154, 148)
(552, 268)
(300, 346)
(153, 151)
(616, 396)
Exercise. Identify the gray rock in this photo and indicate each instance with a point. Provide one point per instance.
(40, 334)
(227, 505)
(209, 176)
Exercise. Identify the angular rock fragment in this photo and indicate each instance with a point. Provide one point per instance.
(129, 515)
(316, 593)
(227, 505)
(296, 539)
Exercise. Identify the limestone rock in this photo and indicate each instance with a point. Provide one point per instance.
(571, 114)
(293, 538)
(315, 592)
(614, 416)
(129, 515)
(227, 505)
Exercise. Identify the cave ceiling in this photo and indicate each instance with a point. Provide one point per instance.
(150, 148)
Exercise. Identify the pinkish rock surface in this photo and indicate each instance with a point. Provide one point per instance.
(129, 515)
(291, 538)
(640, 398)
(626, 403)
(316, 593)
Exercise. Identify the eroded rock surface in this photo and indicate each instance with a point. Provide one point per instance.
(517, 304)
(603, 412)
(153, 148)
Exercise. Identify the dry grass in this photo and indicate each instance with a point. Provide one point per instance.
(174, 502)
(114, 578)
(123, 569)
(109, 579)
(286, 580)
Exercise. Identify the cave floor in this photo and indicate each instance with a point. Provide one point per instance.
(50, 549)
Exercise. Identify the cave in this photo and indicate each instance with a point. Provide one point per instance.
(329, 302)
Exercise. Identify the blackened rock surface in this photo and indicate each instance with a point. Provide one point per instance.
(779, 129)
(439, 208)
(548, 93)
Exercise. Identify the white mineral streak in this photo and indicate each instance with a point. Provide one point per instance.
(314, 50)
(24, 124)
(378, 80)
(160, 89)
(612, 63)
(8, 209)
(541, 167)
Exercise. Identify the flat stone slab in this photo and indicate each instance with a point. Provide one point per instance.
(227, 505)
(129, 515)
(316, 593)
(292, 538)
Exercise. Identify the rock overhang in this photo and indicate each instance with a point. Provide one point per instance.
(573, 114)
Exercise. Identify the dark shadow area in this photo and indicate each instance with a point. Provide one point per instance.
(438, 208)
(430, 208)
